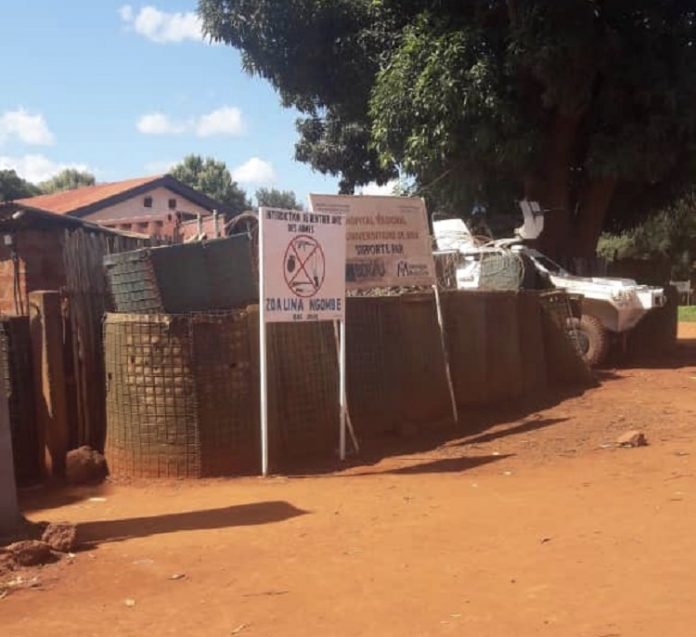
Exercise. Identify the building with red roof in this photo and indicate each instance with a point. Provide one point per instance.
(159, 206)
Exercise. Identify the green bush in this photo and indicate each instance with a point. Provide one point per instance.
(687, 313)
(670, 234)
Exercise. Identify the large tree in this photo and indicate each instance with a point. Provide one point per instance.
(67, 179)
(12, 186)
(586, 105)
(274, 198)
(213, 178)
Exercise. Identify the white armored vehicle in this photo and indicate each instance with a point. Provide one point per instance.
(610, 306)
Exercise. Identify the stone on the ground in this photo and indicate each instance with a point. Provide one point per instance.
(85, 465)
(633, 438)
(60, 536)
(30, 552)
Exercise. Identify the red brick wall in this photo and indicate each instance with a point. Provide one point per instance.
(40, 266)
(189, 229)
(163, 225)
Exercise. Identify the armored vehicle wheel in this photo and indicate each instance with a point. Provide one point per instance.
(592, 338)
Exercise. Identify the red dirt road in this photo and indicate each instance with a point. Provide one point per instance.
(529, 527)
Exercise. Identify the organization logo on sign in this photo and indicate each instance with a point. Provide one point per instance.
(406, 269)
(304, 266)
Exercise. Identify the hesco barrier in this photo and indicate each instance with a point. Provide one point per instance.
(191, 277)
(563, 362)
(16, 366)
(395, 369)
(656, 333)
(178, 395)
(183, 391)
(502, 347)
(302, 388)
(484, 344)
(182, 394)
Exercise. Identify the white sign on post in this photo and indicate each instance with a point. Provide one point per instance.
(387, 239)
(302, 263)
(304, 255)
(388, 245)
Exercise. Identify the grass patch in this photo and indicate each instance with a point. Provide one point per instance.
(687, 313)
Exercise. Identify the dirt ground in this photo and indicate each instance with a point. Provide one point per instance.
(530, 525)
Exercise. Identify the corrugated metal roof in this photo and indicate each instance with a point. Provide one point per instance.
(70, 200)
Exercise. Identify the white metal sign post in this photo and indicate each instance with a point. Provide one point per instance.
(388, 245)
(302, 261)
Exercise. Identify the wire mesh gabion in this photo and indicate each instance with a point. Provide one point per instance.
(302, 390)
(491, 268)
(563, 308)
(177, 395)
(201, 276)
(501, 269)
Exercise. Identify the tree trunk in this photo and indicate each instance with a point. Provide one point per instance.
(591, 214)
(513, 12)
(555, 184)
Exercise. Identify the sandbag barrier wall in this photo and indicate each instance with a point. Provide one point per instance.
(183, 391)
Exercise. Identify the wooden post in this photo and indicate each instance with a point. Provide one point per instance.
(9, 511)
(46, 327)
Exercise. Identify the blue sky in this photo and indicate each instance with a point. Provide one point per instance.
(126, 89)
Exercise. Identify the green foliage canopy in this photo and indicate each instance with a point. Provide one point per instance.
(213, 178)
(585, 105)
(274, 198)
(12, 186)
(67, 179)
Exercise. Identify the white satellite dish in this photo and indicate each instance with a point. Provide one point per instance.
(533, 216)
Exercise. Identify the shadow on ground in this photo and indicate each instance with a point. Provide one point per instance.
(53, 496)
(444, 465)
(681, 354)
(472, 428)
(523, 427)
(98, 532)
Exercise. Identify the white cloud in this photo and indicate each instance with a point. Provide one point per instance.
(226, 120)
(159, 124)
(223, 121)
(36, 168)
(162, 27)
(254, 171)
(373, 189)
(126, 13)
(159, 166)
(28, 128)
